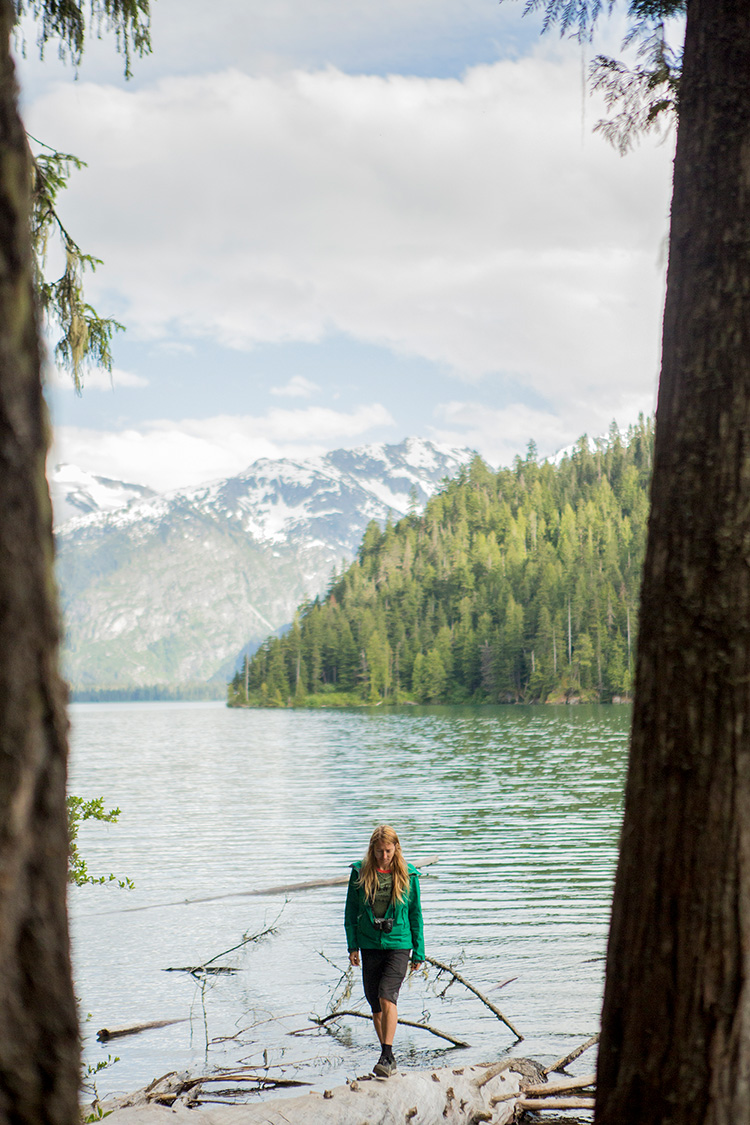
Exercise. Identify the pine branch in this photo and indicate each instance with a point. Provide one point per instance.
(64, 20)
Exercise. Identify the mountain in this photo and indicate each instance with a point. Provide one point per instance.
(75, 492)
(172, 589)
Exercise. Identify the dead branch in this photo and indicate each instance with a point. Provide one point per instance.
(554, 1103)
(462, 980)
(551, 1088)
(562, 1087)
(266, 1082)
(566, 1059)
(200, 970)
(321, 1021)
(208, 967)
(528, 1070)
(502, 984)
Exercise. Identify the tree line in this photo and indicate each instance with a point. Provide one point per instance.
(519, 585)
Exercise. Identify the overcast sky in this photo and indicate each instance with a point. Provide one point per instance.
(330, 222)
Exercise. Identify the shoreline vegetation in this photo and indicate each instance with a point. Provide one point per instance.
(515, 586)
(343, 701)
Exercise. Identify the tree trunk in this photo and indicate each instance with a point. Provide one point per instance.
(675, 1044)
(38, 1031)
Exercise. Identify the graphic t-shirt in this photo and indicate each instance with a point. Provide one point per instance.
(383, 894)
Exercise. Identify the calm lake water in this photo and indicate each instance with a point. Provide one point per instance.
(521, 804)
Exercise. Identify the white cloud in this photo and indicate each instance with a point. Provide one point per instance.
(173, 454)
(297, 387)
(405, 36)
(499, 434)
(472, 222)
(95, 379)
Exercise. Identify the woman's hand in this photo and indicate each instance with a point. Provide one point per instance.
(354, 957)
(415, 965)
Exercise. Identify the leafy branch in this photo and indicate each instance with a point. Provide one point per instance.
(79, 809)
(85, 337)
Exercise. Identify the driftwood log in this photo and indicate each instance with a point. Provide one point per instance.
(284, 889)
(451, 1095)
(104, 1034)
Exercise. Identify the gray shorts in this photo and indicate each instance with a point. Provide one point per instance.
(383, 972)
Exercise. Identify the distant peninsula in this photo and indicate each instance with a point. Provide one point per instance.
(516, 586)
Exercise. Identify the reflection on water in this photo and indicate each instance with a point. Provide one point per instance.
(521, 804)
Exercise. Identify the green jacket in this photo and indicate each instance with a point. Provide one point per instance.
(407, 932)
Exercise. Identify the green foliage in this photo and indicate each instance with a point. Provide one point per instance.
(520, 585)
(643, 97)
(65, 21)
(79, 810)
(84, 336)
(581, 16)
(88, 1083)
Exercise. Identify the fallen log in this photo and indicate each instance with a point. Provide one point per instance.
(104, 1034)
(451, 1095)
(286, 888)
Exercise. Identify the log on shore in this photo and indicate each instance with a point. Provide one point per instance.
(451, 1095)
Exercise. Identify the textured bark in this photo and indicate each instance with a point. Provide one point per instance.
(38, 1032)
(675, 1043)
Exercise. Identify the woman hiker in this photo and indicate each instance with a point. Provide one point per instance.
(383, 922)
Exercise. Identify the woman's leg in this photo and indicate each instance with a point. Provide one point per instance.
(388, 1021)
(372, 967)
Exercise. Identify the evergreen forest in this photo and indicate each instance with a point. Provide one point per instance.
(519, 585)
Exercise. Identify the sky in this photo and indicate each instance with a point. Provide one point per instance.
(333, 222)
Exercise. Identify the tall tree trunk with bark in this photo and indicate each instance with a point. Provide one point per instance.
(39, 1051)
(675, 1045)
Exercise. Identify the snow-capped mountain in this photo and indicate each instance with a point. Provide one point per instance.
(75, 492)
(172, 588)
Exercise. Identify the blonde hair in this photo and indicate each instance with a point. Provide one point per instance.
(368, 872)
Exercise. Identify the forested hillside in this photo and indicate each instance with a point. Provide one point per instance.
(516, 585)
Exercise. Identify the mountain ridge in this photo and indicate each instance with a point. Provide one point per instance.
(174, 587)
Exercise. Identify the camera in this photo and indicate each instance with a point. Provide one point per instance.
(385, 925)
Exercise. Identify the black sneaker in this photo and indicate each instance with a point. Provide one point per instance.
(384, 1067)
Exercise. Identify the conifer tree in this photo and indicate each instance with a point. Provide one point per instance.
(675, 1039)
(39, 1049)
(474, 600)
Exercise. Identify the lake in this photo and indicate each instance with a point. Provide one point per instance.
(522, 805)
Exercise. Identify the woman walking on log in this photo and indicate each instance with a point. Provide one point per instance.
(383, 922)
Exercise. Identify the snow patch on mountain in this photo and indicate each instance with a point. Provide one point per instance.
(76, 492)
